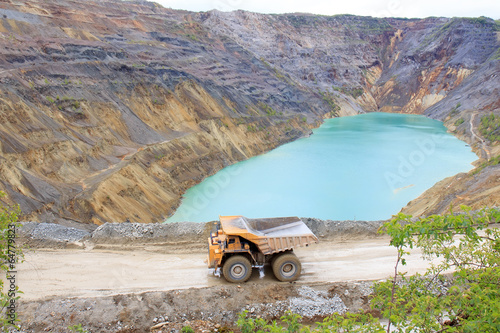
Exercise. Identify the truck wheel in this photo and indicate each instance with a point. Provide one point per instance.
(237, 269)
(287, 267)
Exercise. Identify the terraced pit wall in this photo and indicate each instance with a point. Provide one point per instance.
(110, 110)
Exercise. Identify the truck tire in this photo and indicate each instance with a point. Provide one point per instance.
(287, 267)
(237, 269)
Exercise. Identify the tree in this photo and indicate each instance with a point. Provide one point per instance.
(467, 299)
(10, 255)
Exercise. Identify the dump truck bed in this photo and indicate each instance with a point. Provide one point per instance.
(270, 235)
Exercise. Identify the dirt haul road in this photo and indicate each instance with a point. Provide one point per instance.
(102, 272)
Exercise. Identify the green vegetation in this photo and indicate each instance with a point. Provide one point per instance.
(65, 101)
(466, 246)
(454, 23)
(221, 123)
(252, 110)
(454, 110)
(493, 161)
(12, 37)
(78, 329)
(467, 300)
(459, 121)
(298, 21)
(10, 254)
(187, 329)
(290, 322)
(331, 100)
(351, 22)
(192, 37)
(490, 127)
(251, 128)
(482, 21)
(266, 108)
(355, 92)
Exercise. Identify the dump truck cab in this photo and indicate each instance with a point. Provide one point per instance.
(236, 244)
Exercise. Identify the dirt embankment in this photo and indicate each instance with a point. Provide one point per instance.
(205, 309)
(180, 234)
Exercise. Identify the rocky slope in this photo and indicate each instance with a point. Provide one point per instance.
(110, 110)
(169, 311)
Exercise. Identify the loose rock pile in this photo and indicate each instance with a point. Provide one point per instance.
(41, 235)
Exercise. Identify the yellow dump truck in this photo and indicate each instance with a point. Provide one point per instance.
(236, 244)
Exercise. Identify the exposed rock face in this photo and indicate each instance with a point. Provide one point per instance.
(110, 110)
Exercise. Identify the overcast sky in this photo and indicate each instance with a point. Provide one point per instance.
(378, 8)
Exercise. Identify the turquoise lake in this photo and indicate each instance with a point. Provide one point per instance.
(364, 167)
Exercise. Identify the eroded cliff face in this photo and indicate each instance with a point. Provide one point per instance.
(111, 110)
